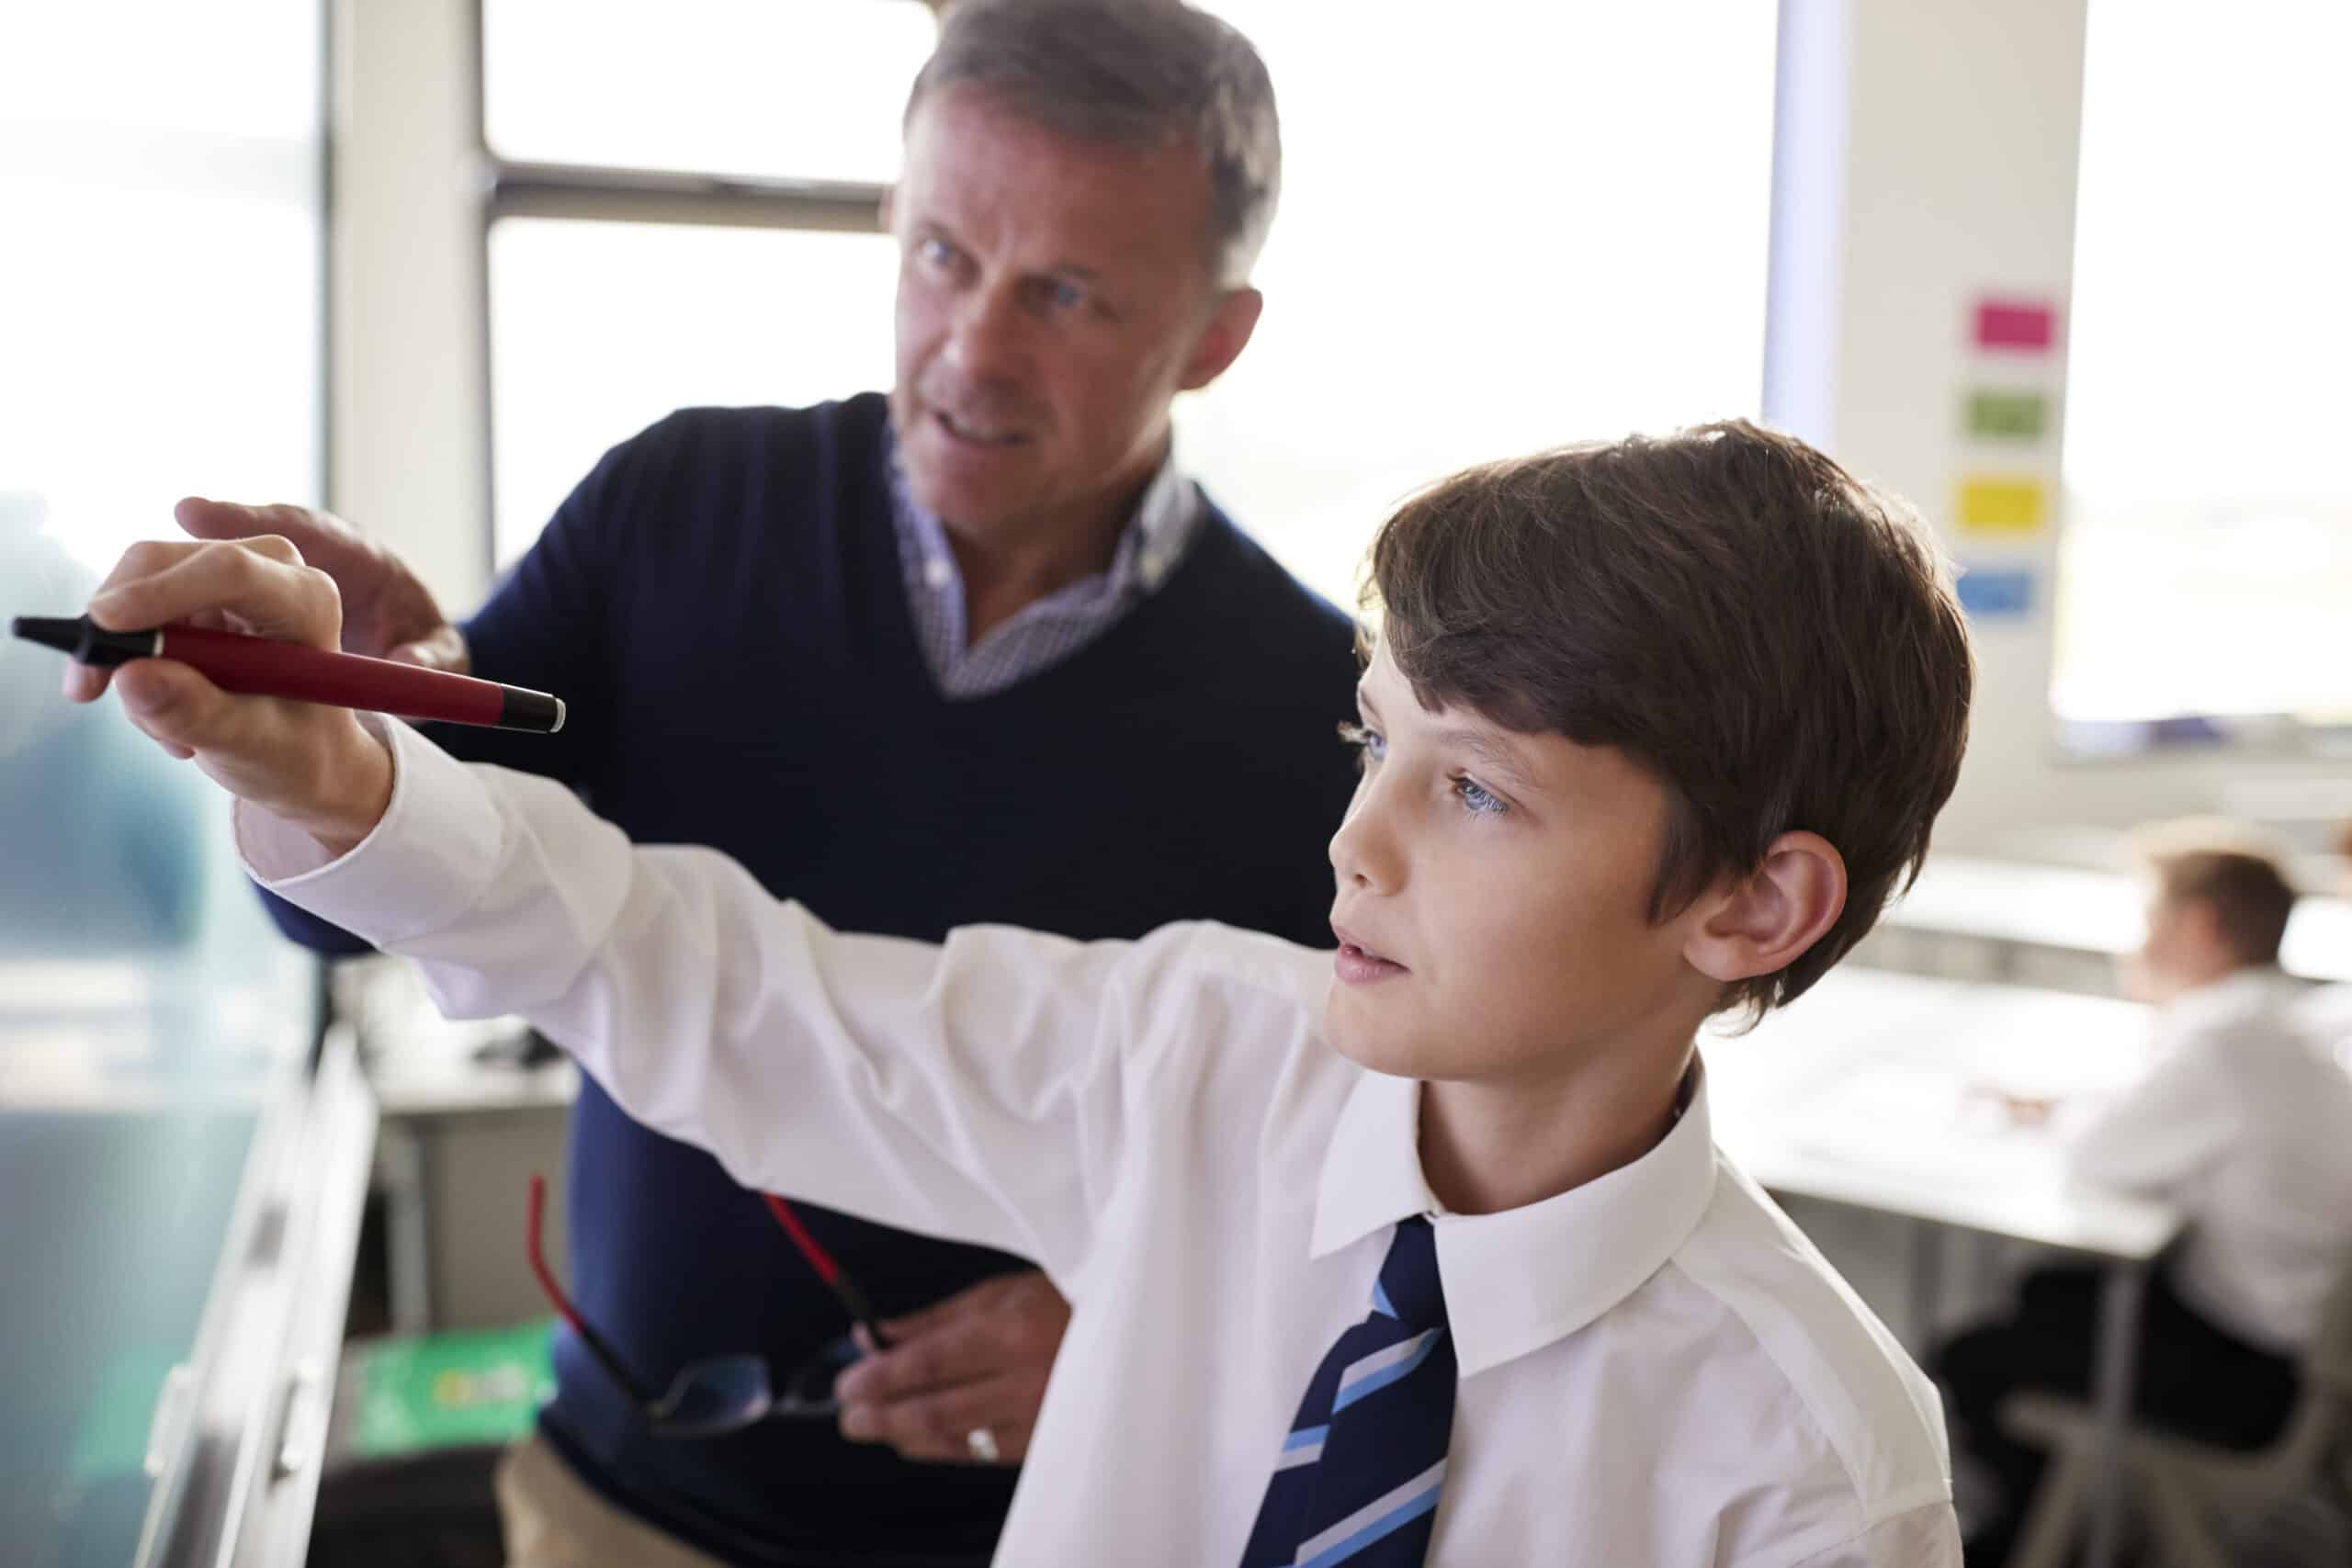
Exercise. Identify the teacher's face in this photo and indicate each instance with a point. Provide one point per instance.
(1054, 295)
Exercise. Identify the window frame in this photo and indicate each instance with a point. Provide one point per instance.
(513, 187)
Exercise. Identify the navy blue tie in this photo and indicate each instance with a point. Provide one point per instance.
(1358, 1475)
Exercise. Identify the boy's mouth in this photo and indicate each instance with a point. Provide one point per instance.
(1358, 964)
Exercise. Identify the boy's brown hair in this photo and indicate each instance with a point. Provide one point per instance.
(2232, 872)
(1776, 642)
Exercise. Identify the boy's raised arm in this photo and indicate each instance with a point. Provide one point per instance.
(972, 1090)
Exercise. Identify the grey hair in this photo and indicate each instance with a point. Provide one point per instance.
(1132, 74)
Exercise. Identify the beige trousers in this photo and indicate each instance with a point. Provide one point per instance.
(554, 1520)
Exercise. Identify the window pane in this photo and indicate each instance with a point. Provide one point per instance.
(597, 330)
(1502, 226)
(1489, 274)
(159, 334)
(804, 88)
(2208, 558)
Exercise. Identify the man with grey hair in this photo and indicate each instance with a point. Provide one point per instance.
(986, 654)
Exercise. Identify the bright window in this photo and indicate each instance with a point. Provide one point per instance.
(1502, 226)
(2207, 564)
(809, 89)
(159, 271)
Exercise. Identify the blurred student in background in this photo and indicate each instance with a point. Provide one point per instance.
(2244, 1120)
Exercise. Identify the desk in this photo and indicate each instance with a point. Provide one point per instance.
(2013, 906)
(458, 1141)
(1860, 1095)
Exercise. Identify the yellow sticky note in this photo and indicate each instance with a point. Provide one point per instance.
(2002, 505)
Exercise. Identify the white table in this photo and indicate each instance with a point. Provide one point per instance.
(2016, 904)
(1865, 1094)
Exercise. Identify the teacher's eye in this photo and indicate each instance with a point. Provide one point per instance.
(1369, 745)
(1477, 798)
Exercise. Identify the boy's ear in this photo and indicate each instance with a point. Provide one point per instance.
(1765, 922)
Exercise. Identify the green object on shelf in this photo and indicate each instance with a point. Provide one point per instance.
(412, 1393)
(2007, 416)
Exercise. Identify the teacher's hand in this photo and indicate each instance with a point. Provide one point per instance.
(975, 1362)
(312, 763)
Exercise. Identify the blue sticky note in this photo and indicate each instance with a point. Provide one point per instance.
(1997, 595)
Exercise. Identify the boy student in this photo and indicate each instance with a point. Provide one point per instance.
(2245, 1120)
(1419, 1252)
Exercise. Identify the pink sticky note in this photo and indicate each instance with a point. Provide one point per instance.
(2014, 323)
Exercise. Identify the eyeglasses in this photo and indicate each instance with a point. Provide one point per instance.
(723, 1394)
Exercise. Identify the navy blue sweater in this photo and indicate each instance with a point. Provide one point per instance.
(720, 604)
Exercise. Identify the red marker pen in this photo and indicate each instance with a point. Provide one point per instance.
(264, 666)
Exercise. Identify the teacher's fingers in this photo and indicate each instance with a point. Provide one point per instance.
(324, 539)
(936, 1426)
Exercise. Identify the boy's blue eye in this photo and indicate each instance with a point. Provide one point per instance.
(1369, 745)
(1477, 798)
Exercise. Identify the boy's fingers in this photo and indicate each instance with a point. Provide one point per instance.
(181, 710)
(84, 684)
(261, 582)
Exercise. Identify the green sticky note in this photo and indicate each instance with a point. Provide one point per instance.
(2007, 416)
(436, 1390)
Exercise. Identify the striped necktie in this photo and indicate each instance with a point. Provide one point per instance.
(1357, 1478)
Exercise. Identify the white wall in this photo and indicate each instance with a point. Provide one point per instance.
(1955, 179)
(1933, 147)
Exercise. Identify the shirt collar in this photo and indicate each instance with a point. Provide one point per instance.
(1517, 1280)
(2232, 996)
(1148, 548)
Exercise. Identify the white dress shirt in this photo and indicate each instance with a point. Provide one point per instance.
(2245, 1122)
(1656, 1367)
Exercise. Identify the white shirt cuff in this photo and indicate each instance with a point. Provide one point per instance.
(424, 863)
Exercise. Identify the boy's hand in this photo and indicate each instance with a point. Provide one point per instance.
(311, 763)
(388, 613)
(976, 1362)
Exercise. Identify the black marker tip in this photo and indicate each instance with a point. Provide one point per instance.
(53, 631)
(83, 640)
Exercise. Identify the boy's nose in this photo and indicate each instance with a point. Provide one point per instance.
(1361, 853)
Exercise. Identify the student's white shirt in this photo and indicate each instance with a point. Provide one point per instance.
(1655, 1368)
(2327, 1010)
(2246, 1121)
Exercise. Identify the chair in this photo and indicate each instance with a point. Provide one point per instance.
(2182, 1488)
